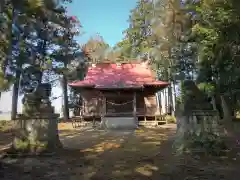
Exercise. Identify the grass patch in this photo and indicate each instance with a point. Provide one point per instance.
(6, 125)
(171, 119)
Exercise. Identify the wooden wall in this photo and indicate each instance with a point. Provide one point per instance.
(150, 104)
(93, 102)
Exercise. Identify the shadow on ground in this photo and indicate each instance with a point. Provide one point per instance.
(95, 154)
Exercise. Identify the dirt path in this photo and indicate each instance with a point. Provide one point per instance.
(5, 140)
(119, 155)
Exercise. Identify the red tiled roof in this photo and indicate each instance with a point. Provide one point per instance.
(106, 75)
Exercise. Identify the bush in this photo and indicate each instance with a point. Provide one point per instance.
(170, 119)
(238, 114)
(204, 143)
(6, 125)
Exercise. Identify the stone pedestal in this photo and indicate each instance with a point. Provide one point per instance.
(36, 134)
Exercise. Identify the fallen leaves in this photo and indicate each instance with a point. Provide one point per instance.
(101, 147)
(65, 126)
(146, 170)
(139, 131)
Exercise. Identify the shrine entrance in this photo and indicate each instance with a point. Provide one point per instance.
(119, 105)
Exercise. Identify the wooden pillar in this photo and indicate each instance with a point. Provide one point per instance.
(104, 106)
(135, 108)
(103, 112)
(145, 110)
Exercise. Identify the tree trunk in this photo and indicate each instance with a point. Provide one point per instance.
(15, 96)
(18, 73)
(170, 99)
(65, 99)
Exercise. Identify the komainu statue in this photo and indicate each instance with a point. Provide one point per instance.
(36, 127)
(197, 121)
(36, 94)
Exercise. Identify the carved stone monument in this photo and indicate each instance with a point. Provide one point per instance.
(37, 125)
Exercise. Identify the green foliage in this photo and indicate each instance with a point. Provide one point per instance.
(182, 90)
(24, 146)
(202, 43)
(171, 119)
(124, 49)
(39, 33)
(216, 32)
(207, 88)
(41, 26)
(6, 125)
(96, 49)
(21, 145)
(140, 28)
(5, 82)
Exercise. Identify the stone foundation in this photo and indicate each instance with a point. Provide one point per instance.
(119, 123)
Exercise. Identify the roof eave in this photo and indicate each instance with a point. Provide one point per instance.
(81, 86)
(119, 88)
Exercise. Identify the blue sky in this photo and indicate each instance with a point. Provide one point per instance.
(106, 17)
